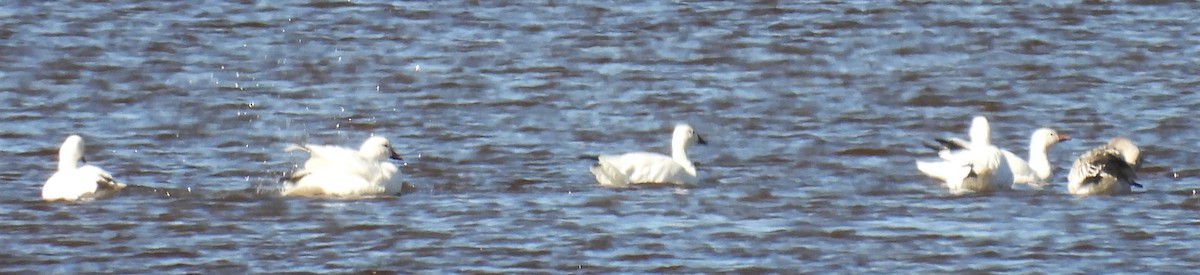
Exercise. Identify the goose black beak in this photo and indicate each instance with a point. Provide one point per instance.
(395, 156)
(700, 140)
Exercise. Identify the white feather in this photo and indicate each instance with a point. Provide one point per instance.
(341, 171)
(73, 182)
(979, 167)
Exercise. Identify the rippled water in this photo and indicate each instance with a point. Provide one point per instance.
(814, 112)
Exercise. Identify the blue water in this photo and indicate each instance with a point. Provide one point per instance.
(814, 113)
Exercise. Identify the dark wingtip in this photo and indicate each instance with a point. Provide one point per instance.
(934, 146)
(949, 144)
(589, 157)
(1134, 184)
(292, 177)
(107, 182)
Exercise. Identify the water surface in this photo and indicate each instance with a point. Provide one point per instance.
(815, 112)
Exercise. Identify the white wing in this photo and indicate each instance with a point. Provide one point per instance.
(641, 167)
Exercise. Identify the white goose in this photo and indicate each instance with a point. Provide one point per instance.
(73, 182)
(978, 167)
(645, 167)
(341, 171)
(1108, 169)
(1036, 171)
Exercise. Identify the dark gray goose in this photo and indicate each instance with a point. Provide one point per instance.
(1106, 170)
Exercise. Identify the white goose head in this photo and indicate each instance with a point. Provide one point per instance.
(1046, 137)
(71, 153)
(981, 132)
(684, 135)
(378, 148)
